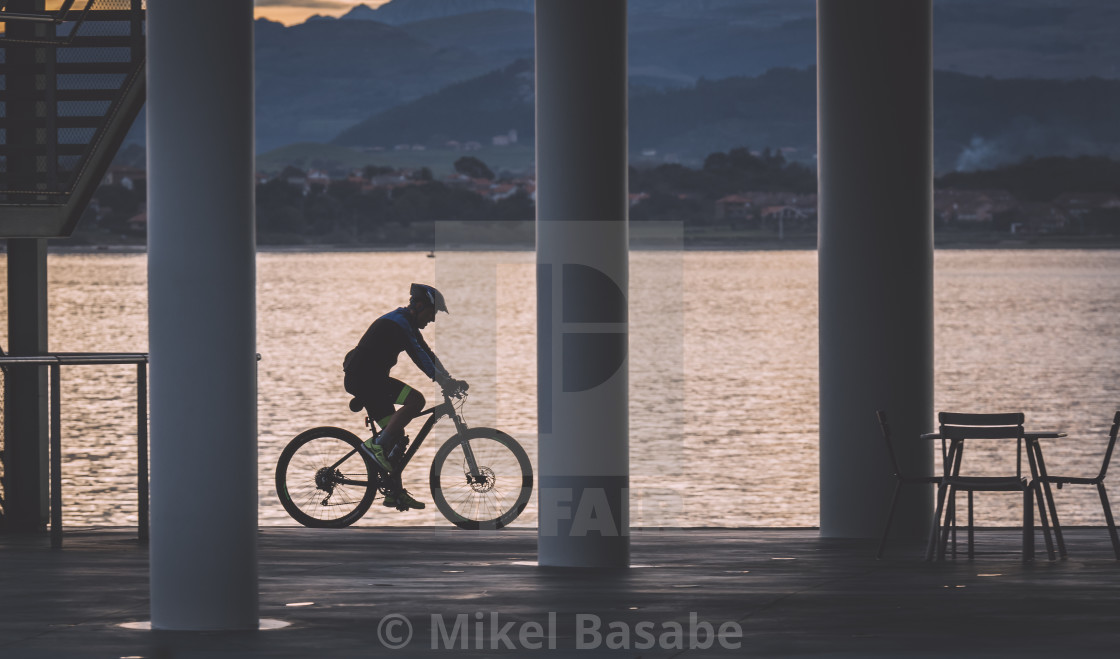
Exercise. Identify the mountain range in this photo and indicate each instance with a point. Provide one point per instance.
(400, 12)
(322, 79)
(978, 121)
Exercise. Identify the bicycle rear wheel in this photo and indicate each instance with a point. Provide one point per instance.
(323, 481)
(500, 493)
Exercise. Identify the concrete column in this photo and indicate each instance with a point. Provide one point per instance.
(875, 132)
(201, 314)
(26, 476)
(26, 492)
(582, 283)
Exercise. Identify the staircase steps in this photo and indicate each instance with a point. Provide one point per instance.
(68, 95)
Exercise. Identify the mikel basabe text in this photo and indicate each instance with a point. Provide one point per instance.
(581, 631)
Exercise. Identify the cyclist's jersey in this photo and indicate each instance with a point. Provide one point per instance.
(382, 344)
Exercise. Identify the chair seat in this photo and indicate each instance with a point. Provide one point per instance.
(932, 480)
(1069, 480)
(993, 483)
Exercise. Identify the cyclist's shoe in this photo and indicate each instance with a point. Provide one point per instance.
(377, 454)
(402, 501)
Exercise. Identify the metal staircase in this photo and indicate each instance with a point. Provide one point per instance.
(71, 83)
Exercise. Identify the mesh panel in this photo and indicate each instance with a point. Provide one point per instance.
(103, 29)
(88, 54)
(83, 108)
(68, 163)
(76, 135)
(97, 5)
(91, 81)
(54, 5)
(67, 170)
(115, 5)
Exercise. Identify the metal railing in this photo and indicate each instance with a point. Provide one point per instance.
(55, 362)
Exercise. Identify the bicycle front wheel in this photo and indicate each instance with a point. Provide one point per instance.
(498, 489)
(323, 481)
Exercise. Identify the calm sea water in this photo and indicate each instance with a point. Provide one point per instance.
(723, 367)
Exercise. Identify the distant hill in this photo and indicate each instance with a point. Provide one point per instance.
(316, 79)
(674, 42)
(475, 110)
(983, 122)
(979, 122)
(498, 31)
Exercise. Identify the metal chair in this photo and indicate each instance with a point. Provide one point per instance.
(1097, 480)
(957, 427)
(900, 479)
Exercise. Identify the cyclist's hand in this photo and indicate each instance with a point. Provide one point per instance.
(455, 388)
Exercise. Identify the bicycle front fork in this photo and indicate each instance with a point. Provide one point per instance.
(474, 475)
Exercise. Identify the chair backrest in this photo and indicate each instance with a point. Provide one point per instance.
(887, 440)
(1111, 443)
(956, 425)
(1007, 425)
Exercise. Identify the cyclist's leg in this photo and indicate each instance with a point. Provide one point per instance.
(411, 404)
(375, 394)
(392, 435)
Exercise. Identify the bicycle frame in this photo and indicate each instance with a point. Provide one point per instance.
(435, 413)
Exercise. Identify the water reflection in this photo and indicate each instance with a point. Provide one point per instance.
(723, 363)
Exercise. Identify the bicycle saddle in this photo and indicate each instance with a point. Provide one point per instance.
(355, 405)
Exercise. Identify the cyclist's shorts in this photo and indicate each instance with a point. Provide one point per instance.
(378, 395)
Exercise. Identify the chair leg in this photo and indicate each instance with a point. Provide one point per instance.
(951, 522)
(935, 532)
(950, 525)
(971, 525)
(1050, 503)
(1057, 526)
(1028, 525)
(1108, 519)
(1041, 500)
(890, 518)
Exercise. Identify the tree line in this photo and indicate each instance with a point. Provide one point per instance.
(679, 193)
(347, 211)
(1042, 179)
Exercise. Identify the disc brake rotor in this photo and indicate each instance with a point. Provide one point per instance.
(485, 483)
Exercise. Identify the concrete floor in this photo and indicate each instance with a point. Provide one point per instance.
(789, 592)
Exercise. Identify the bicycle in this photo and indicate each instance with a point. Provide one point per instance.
(480, 478)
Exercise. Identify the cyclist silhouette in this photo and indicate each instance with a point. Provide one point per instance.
(367, 378)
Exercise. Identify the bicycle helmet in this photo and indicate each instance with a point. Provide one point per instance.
(427, 295)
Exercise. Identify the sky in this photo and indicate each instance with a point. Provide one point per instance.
(290, 12)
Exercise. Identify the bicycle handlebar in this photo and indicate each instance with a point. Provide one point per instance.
(458, 391)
